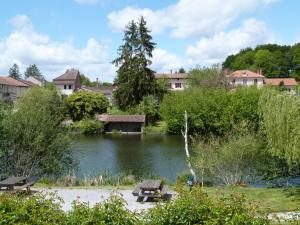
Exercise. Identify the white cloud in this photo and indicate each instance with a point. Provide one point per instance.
(188, 18)
(26, 46)
(164, 61)
(215, 49)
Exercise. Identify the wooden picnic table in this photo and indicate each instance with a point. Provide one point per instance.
(15, 183)
(150, 189)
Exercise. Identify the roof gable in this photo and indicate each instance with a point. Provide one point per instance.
(245, 74)
(69, 75)
(12, 82)
(277, 81)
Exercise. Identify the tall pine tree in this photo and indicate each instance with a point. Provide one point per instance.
(14, 72)
(33, 71)
(134, 77)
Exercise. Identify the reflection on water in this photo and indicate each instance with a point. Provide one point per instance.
(140, 154)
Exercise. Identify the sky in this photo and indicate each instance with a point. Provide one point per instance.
(85, 34)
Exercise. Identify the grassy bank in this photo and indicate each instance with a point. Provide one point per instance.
(270, 199)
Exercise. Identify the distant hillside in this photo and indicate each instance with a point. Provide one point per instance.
(271, 59)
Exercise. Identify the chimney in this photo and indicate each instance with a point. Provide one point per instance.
(171, 71)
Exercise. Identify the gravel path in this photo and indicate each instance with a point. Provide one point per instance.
(93, 196)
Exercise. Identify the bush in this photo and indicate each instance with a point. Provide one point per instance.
(83, 104)
(230, 161)
(188, 208)
(211, 111)
(89, 126)
(196, 207)
(34, 210)
(111, 212)
(149, 107)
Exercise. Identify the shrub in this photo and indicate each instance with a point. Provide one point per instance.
(84, 104)
(230, 161)
(211, 111)
(150, 107)
(111, 212)
(89, 126)
(196, 207)
(36, 210)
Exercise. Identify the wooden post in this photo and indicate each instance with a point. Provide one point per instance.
(185, 135)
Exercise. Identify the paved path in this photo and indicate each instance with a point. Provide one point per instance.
(93, 196)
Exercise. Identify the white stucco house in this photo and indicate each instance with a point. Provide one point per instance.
(68, 83)
(11, 89)
(245, 78)
(175, 81)
(40, 81)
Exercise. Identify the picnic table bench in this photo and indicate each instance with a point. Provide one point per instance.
(150, 189)
(13, 183)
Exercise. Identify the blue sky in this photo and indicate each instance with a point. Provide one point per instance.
(85, 34)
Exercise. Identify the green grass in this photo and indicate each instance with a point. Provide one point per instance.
(270, 199)
(158, 128)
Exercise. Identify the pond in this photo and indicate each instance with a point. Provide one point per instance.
(139, 154)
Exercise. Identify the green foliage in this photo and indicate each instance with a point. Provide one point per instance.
(231, 160)
(33, 71)
(86, 104)
(34, 141)
(14, 72)
(89, 126)
(134, 77)
(188, 208)
(111, 212)
(280, 113)
(211, 111)
(149, 107)
(181, 70)
(196, 207)
(86, 81)
(273, 60)
(33, 210)
(206, 77)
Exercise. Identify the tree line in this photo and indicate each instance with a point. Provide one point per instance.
(272, 60)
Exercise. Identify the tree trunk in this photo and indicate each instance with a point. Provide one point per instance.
(185, 134)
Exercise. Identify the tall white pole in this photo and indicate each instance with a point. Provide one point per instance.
(185, 134)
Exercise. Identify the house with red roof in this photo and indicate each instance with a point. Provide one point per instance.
(245, 78)
(288, 83)
(11, 89)
(249, 78)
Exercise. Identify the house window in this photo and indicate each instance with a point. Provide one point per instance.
(70, 86)
(255, 81)
(177, 85)
(169, 85)
(245, 81)
(65, 86)
(233, 81)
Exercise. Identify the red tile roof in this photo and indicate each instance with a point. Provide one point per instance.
(171, 76)
(276, 81)
(122, 118)
(245, 73)
(12, 82)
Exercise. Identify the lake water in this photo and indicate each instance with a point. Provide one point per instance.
(140, 154)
